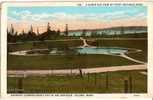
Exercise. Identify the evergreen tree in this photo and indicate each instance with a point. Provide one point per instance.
(84, 33)
(23, 32)
(66, 30)
(48, 27)
(12, 29)
(94, 34)
(58, 32)
(31, 34)
(37, 31)
(122, 30)
(31, 29)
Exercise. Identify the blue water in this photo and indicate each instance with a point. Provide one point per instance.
(101, 50)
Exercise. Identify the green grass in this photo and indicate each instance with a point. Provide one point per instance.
(63, 61)
(76, 84)
(138, 44)
(139, 56)
(17, 47)
(45, 44)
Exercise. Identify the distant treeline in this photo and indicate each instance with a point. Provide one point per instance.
(49, 34)
(14, 36)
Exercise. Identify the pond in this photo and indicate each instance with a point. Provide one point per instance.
(101, 50)
(72, 51)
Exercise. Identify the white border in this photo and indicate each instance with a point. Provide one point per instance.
(3, 50)
(150, 50)
(4, 46)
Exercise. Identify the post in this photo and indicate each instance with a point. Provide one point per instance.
(20, 85)
(71, 72)
(88, 77)
(95, 78)
(130, 83)
(106, 80)
(100, 81)
(125, 86)
(81, 73)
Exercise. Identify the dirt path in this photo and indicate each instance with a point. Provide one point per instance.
(17, 73)
(84, 42)
(129, 58)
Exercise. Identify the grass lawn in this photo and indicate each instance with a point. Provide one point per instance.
(74, 61)
(63, 62)
(92, 83)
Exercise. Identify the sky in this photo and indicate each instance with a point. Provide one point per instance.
(76, 17)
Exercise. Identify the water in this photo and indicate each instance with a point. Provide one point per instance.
(101, 50)
(81, 50)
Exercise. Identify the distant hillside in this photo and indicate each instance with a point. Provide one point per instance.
(114, 28)
(110, 31)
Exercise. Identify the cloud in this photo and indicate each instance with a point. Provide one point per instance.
(26, 15)
(22, 13)
(109, 16)
(23, 19)
(11, 19)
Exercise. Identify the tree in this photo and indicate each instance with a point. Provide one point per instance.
(12, 35)
(66, 30)
(22, 36)
(16, 33)
(48, 27)
(31, 29)
(115, 34)
(122, 30)
(58, 32)
(12, 29)
(9, 36)
(23, 32)
(31, 34)
(37, 31)
(84, 33)
(94, 34)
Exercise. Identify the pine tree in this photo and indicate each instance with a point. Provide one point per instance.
(48, 27)
(31, 29)
(23, 32)
(37, 31)
(12, 29)
(66, 30)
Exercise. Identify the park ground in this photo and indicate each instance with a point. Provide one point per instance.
(89, 83)
(75, 61)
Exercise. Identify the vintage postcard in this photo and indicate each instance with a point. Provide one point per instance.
(71, 48)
